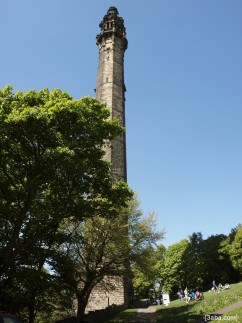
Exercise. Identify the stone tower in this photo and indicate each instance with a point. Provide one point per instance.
(110, 88)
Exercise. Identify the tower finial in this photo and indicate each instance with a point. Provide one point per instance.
(112, 24)
(113, 9)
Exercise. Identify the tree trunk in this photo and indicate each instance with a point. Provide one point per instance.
(32, 310)
(82, 299)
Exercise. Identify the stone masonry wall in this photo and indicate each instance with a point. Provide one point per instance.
(110, 90)
(108, 292)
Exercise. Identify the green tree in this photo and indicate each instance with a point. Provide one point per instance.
(51, 169)
(146, 271)
(194, 262)
(173, 272)
(230, 274)
(216, 266)
(102, 247)
(235, 250)
(143, 237)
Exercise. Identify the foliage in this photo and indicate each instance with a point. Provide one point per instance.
(144, 252)
(146, 274)
(142, 283)
(101, 247)
(216, 266)
(51, 169)
(193, 262)
(235, 250)
(196, 262)
(60, 210)
(172, 273)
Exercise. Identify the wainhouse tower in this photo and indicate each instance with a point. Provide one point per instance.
(110, 88)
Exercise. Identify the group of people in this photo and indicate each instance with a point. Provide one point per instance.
(220, 287)
(157, 300)
(184, 295)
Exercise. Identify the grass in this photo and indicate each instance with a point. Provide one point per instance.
(125, 316)
(192, 312)
(235, 315)
(178, 312)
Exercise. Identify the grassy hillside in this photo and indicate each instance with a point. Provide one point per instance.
(178, 312)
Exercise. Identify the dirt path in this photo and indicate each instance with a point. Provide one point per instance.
(145, 315)
(229, 308)
(215, 316)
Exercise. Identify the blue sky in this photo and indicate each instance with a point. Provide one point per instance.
(183, 74)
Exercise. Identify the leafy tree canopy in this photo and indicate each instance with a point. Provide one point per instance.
(236, 250)
(101, 247)
(51, 168)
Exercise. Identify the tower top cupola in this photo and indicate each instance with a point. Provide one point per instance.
(113, 9)
(112, 25)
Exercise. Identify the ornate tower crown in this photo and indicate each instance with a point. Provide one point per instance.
(112, 25)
